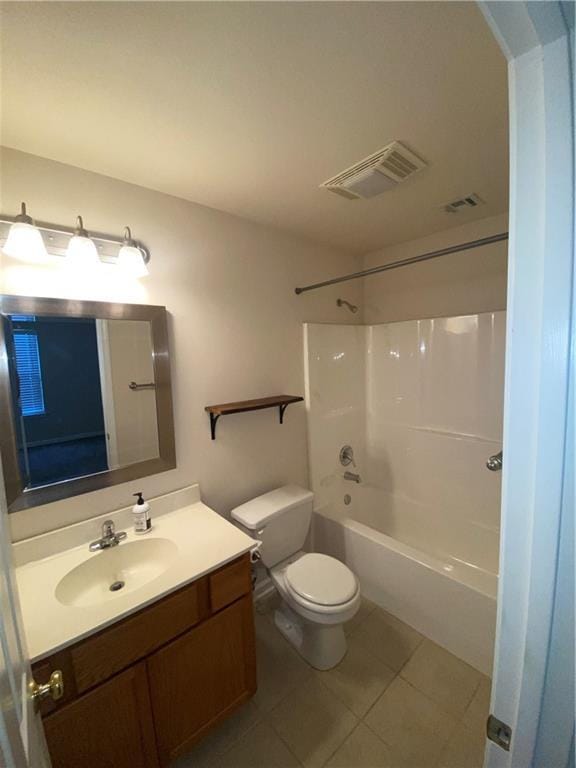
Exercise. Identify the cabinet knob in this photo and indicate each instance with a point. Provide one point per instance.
(53, 689)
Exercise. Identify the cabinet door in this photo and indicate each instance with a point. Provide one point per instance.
(200, 678)
(109, 727)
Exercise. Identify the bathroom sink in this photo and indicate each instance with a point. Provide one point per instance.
(115, 571)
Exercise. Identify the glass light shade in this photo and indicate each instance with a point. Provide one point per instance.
(131, 261)
(25, 242)
(82, 253)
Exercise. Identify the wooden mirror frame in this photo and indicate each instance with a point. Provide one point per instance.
(17, 496)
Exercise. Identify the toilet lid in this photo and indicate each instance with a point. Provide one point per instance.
(321, 579)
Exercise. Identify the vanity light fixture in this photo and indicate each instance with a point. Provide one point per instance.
(130, 257)
(24, 240)
(81, 251)
(35, 242)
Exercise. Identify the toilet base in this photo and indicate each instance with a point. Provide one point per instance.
(323, 646)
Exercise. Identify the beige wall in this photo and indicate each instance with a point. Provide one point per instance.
(463, 283)
(235, 326)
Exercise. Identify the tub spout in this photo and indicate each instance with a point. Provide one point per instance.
(352, 476)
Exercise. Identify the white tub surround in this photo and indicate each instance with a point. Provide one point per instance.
(335, 369)
(420, 402)
(185, 543)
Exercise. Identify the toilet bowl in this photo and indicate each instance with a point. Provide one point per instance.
(319, 593)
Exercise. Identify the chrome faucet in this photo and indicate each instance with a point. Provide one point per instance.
(109, 537)
(355, 478)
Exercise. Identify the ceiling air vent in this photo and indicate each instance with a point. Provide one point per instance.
(375, 174)
(470, 201)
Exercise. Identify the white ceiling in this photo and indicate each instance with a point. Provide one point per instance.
(247, 107)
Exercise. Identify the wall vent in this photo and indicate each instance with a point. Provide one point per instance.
(376, 174)
(470, 201)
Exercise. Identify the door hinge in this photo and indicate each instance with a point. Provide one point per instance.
(498, 732)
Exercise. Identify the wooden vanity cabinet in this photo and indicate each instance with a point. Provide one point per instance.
(197, 680)
(142, 691)
(110, 727)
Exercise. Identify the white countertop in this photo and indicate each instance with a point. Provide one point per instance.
(204, 539)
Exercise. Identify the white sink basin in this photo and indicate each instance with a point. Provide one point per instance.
(115, 571)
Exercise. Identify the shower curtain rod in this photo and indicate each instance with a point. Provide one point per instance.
(405, 262)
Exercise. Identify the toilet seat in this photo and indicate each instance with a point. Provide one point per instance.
(320, 581)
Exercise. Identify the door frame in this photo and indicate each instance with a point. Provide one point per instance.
(107, 390)
(537, 39)
(22, 741)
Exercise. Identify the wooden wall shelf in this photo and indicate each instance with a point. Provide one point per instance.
(224, 409)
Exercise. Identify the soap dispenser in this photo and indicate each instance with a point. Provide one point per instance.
(141, 513)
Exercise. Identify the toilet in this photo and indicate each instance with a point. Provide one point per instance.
(319, 593)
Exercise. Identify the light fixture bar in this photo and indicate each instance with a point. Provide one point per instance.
(56, 240)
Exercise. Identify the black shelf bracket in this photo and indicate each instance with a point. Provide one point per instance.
(213, 419)
(281, 409)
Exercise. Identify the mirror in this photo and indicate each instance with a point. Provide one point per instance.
(87, 386)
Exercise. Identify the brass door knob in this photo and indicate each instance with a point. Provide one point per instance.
(53, 689)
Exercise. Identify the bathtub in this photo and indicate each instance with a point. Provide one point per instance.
(442, 581)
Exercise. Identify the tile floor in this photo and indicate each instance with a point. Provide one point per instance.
(396, 700)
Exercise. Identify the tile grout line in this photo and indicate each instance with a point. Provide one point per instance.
(394, 750)
(340, 745)
(471, 699)
(318, 675)
(457, 717)
(235, 741)
(288, 747)
(371, 707)
(397, 674)
(289, 693)
(363, 621)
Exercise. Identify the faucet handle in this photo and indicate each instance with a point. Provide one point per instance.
(494, 463)
(108, 528)
(347, 456)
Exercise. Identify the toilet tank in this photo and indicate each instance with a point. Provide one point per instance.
(280, 519)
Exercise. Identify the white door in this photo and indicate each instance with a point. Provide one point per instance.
(107, 389)
(533, 681)
(22, 742)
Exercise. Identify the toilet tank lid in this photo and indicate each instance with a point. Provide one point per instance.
(254, 514)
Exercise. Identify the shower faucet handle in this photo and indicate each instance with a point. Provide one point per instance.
(347, 456)
(494, 463)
